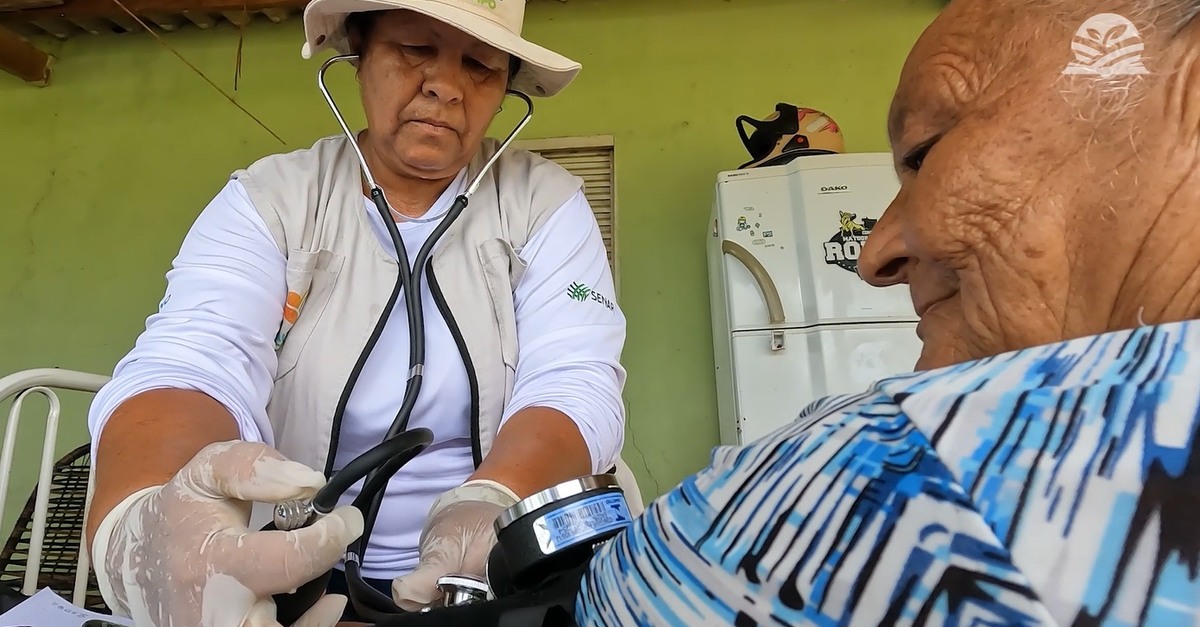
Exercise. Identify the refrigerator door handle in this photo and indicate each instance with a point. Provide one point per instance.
(765, 285)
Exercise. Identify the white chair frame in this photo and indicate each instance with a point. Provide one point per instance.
(44, 381)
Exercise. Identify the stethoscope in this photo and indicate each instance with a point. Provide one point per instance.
(376, 466)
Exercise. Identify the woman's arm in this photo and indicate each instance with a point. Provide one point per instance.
(537, 448)
(202, 370)
(566, 417)
(148, 439)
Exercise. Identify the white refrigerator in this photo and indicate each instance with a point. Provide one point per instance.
(792, 320)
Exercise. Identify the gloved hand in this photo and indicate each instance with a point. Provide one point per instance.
(181, 554)
(456, 539)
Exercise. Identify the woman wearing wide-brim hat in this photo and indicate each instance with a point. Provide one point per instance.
(238, 390)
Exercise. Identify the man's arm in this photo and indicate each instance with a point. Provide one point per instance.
(202, 370)
(566, 417)
(719, 547)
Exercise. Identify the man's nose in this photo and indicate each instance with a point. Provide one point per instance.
(885, 256)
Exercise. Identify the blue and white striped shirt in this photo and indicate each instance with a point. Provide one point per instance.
(1052, 486)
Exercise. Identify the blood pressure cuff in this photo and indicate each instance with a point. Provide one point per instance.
(552, 605)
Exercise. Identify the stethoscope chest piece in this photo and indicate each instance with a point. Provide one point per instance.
(461, 590)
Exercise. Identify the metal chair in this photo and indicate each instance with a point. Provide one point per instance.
(46, 547)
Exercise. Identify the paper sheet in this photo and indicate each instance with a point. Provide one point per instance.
(47, 609)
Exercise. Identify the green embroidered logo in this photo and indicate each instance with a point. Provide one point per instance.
(579, 291)
(491, 4)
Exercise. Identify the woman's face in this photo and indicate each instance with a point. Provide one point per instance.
(429, 92)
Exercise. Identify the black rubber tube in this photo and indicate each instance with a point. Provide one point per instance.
(401, 281)
(378, 483)
(367, 600)
(387, 456)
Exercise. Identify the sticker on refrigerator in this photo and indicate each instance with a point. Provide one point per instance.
(843, 249)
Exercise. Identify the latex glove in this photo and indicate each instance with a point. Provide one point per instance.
(181, 554)
(456, 539)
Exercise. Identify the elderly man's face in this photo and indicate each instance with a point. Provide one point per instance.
(1035, 205)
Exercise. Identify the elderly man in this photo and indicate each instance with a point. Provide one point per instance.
(1038, 467)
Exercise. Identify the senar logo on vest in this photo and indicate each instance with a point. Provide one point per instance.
(581, 293)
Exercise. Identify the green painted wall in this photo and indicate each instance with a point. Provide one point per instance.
(102, 173)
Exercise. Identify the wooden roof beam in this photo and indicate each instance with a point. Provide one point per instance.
(19, 58)
(82, 9)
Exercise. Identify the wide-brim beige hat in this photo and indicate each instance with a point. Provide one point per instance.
(495, 22)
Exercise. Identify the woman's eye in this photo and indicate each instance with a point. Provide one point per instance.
(476, 64)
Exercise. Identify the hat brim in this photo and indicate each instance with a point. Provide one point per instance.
(543, 72)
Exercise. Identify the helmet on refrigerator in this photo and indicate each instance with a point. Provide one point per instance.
(788, 133)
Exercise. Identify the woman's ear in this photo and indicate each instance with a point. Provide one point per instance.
(514, 66)
(355, 40)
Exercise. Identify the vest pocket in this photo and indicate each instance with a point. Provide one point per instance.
(498, 259)
(310, 279)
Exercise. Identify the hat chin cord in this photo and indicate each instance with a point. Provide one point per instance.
(400, 445)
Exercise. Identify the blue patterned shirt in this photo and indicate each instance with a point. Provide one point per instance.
(1051, 486)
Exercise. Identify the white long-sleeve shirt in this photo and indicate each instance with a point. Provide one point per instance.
(215, 328)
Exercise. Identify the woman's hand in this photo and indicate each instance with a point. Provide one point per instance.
(181, 554)
(457, 538)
